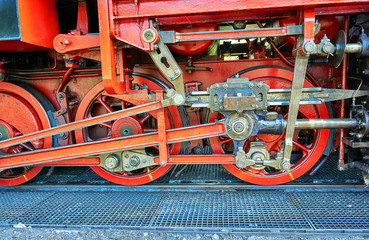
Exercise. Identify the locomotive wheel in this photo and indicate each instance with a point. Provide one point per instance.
(98, 102)
(23, 111)
(309, 145)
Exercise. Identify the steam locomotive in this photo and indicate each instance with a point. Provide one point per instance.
(132, 87)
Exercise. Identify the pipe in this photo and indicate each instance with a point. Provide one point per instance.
(64, 80)
(318, 166)
(341, 114)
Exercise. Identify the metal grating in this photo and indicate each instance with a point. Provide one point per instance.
(92, 209)
(335, 210)
(230, 210)
(243, 210)
(205, 173)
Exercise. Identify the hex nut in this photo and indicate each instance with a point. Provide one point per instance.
(309, 47)
(112, 161)
(148, 35)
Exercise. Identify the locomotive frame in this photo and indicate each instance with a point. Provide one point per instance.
(124, 25)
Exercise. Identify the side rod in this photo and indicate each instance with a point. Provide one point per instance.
(81, 124)
(111, 145)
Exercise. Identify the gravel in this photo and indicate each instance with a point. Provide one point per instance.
(81, 234)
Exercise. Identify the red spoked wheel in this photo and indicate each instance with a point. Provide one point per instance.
(309, 145)
(23, 111)
(98, 102)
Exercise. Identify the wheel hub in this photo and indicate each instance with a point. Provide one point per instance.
(126, 127)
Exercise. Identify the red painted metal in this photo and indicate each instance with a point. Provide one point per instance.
(81, 124)
(127, 143)
(201, 159)
(97, 102)
(64, 43)
(341, 157)
(125, 10)
(309, 27)
(123, 22)
(192, 48)
(86, 161)
(82, 18)
(258, 15)
(38, 23)
(21, 114)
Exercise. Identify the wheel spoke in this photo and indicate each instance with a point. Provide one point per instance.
(27, 146)
(123, 104)
(143, 120)
(302, 147)
(104, 104)
(149, 130)
(108, 125)
(224, 141)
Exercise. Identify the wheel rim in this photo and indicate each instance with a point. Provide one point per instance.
(310, 151)
(21, 113)
(97, 101)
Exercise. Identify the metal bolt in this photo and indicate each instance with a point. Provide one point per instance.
(134, 161)
(225, 86)
(144, 160)
(162, 163)
(178, 99)
(126, 166)
(171, 77)
(177, 72)
(238, 127)
(241, 163)
(309, 47)
(63, 135)
(327, 48)
(148, 35)
(251, 85)
(286, 165)
(216, 86)
(259, 84)
(112, 161)
(61, 96)
(126, 155)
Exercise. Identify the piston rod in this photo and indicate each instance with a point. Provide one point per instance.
(326, 123)
(279, 125)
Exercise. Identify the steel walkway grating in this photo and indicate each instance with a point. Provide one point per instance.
(206, 210)
(335, 210)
